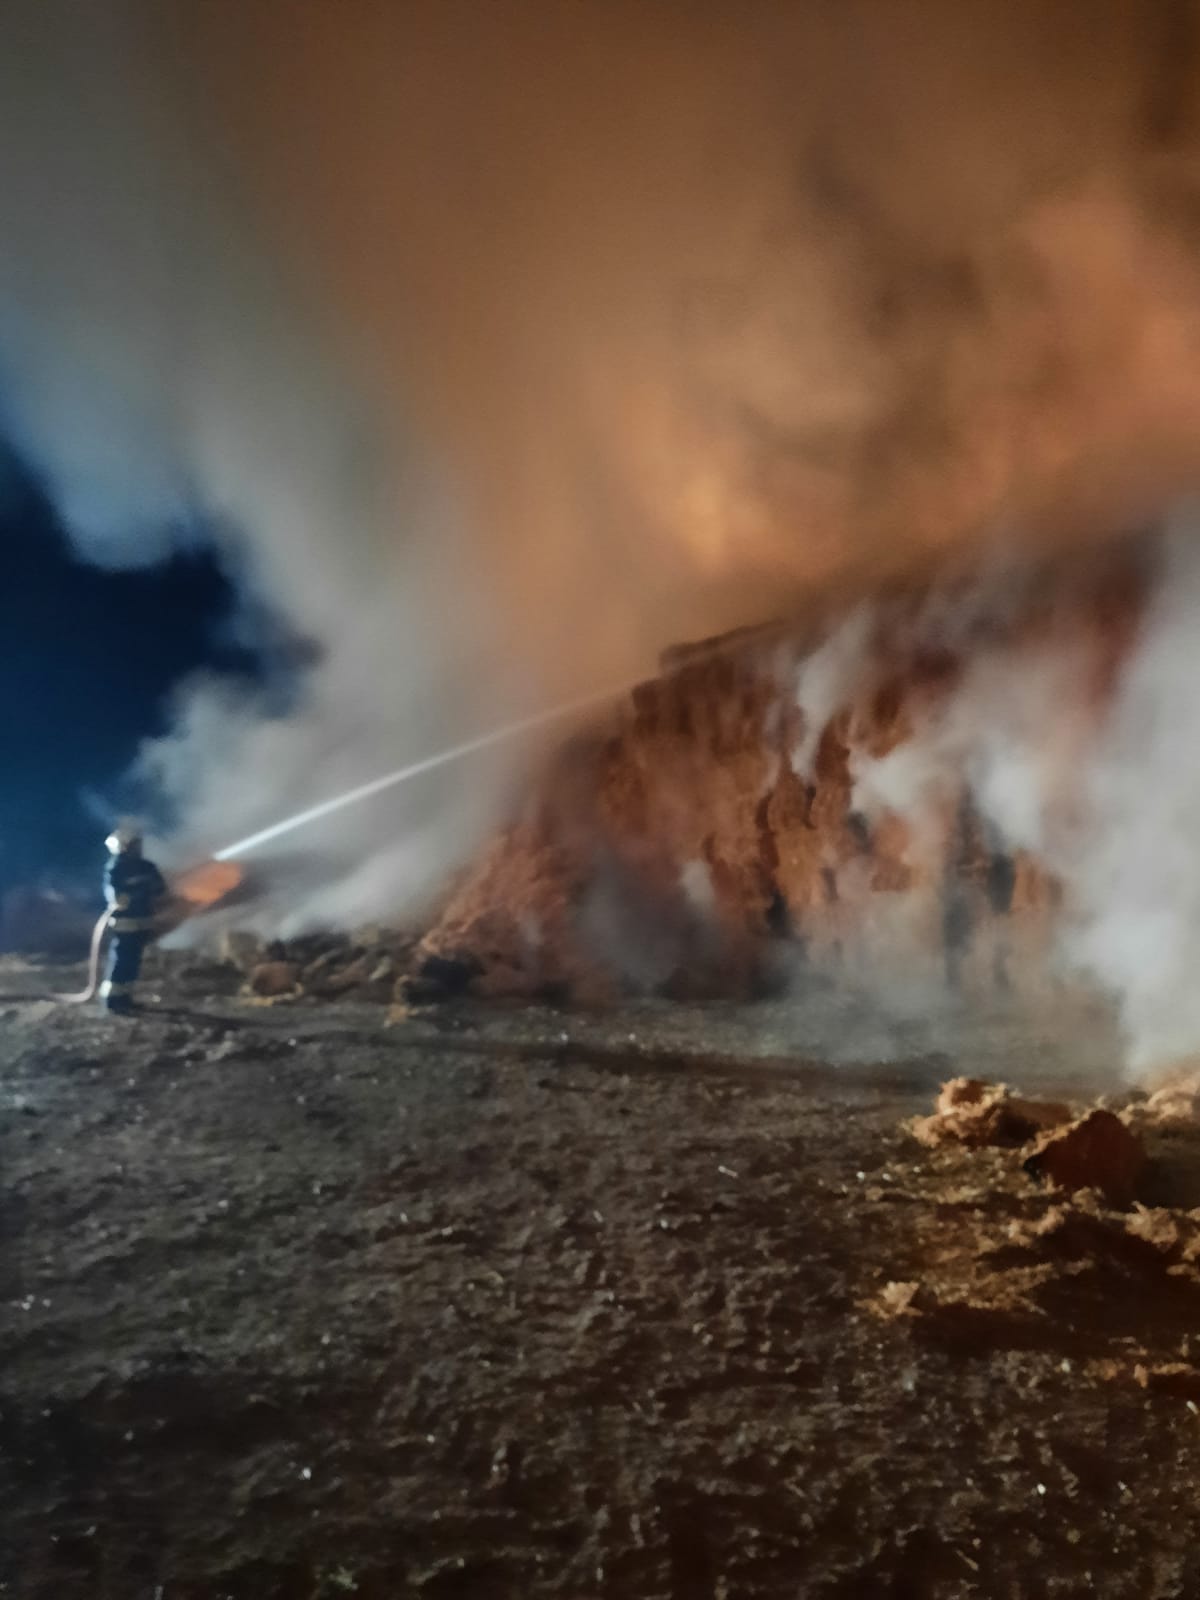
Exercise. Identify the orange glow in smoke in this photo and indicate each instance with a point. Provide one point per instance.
(204, 885)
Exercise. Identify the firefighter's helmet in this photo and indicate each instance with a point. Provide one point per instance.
(125, 836)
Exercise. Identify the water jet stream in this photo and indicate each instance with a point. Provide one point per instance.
(364, 791)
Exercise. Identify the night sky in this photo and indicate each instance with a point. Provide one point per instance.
(87, 663)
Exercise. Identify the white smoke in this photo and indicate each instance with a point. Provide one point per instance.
(167, 381)
(632, 313)
(825, 681)
(1108, 800)
(1134, 869)
(1010, 729)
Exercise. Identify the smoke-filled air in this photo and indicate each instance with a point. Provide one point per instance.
(500, 346)
(599, 799)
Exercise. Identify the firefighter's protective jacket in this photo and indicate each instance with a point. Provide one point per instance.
(132, 886)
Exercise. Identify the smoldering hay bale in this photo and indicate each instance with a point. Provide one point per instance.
(810, 793)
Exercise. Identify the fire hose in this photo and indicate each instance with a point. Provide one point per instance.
(195, 890)
(93, 983)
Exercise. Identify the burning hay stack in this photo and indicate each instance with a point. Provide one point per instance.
(817, 797)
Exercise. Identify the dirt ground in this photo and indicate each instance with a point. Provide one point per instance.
(521, 1304)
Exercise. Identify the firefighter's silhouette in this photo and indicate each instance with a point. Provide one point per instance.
(133, 887)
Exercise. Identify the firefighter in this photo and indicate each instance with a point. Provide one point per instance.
(132, 886)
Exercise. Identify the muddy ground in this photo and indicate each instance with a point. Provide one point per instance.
(521, 1304)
